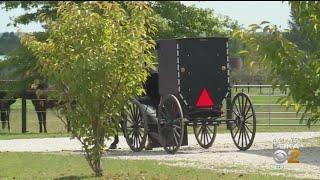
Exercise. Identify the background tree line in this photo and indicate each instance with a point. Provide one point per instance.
(8, 42)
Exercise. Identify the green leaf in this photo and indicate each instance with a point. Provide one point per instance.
(264, 22)
(244, 52)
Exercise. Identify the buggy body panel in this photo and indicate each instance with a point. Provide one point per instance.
(189, 66)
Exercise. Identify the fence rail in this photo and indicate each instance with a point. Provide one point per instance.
(268, 111)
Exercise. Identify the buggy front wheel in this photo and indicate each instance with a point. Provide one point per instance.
(134, 126)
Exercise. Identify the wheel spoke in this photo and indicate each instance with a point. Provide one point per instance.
(130, 120)
(237, 114)
(175, 139)
(245, 106)
(201, 136)
(248, 110)
(239, 135)
(140, 136)
(131, 132)
(210, 129)
(136, 140)
(240, 107)
(235, 105)
(247, 135)
(207, 137)
(235, 134)
(210, 135)
(177, 120)
(245, 119)
(176, 126)
(176, 132)
(198, 130)
(131, 112)
(141, 130)
(248, 128)
(133, 140)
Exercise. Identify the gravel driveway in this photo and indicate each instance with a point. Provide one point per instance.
(222, 157)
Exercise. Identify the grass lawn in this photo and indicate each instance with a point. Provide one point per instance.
(7, 136)
(66, 166)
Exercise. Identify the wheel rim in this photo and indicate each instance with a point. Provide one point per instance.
(205, 133)
(244, 129)
(135, 132)
(170, 124)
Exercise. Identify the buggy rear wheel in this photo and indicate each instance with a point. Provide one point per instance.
(170, 124)
(135, 127)
(205, 133)
(243, 129)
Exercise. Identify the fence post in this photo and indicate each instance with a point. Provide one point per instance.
(24, 114)
(260, 87)
(248, 87)
(285, 90)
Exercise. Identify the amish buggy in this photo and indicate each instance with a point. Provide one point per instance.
(188, 90)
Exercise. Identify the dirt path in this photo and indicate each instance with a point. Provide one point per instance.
(223, 156)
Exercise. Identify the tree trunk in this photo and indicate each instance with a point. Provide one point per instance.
(97, 167)
(99, 141)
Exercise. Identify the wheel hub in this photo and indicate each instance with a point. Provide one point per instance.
(240, 120)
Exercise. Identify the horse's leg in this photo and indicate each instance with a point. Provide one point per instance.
(39, 113)
(68, 125)
(113, 145)
(8, 118)
(3, 119)
(44, 115)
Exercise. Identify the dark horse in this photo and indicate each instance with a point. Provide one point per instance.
(5, 104)
(40, 102)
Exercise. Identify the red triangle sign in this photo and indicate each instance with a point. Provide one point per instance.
(204, 99)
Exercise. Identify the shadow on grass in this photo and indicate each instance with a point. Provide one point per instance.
(73, 177)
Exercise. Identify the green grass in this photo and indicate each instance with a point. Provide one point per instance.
(66, 166)
(7, 136)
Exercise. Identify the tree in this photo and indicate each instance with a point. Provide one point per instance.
(8, 42)
(176, 20)
(47, 7)
(296, 36)
(95, 56)
(173, 19)
(20, 64)
(290, 63)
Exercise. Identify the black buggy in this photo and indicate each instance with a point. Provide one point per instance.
(188, 90)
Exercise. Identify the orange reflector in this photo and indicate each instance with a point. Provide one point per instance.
(204, 100)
